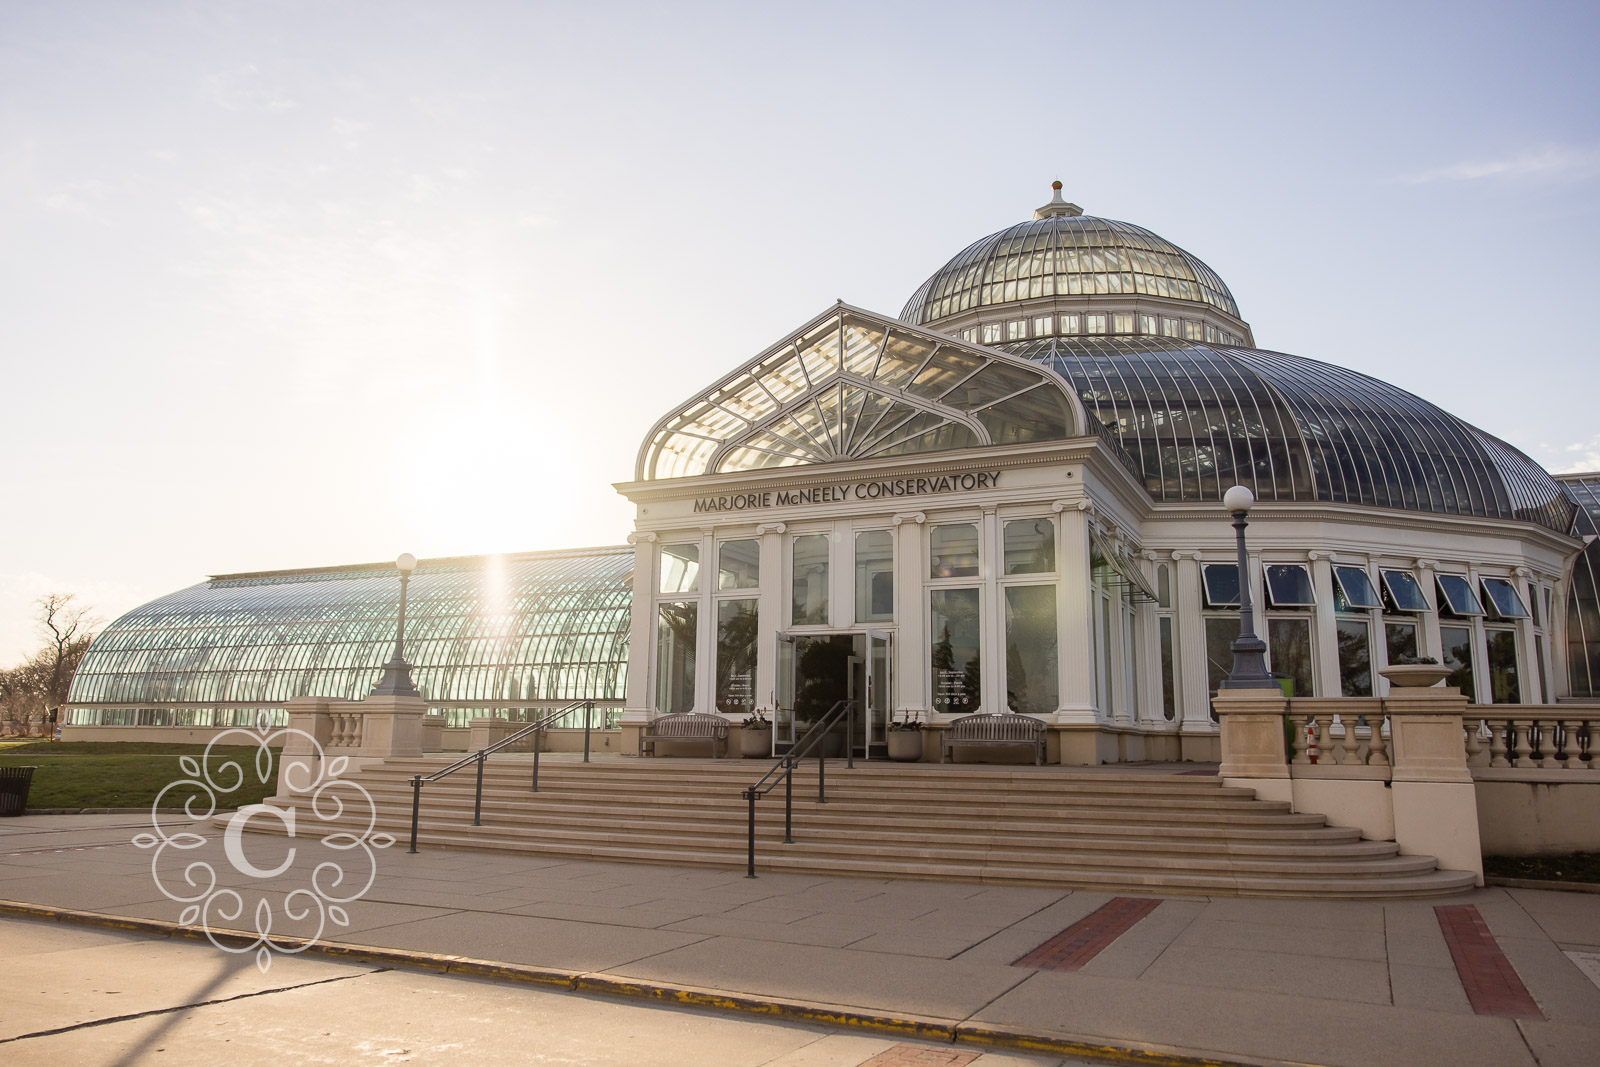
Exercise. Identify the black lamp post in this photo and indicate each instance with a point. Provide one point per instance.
(396, 681)
(1249, 651)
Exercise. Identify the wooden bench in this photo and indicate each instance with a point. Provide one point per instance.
(995, 728)
(685, 726)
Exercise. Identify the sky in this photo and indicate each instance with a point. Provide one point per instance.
(291, 284)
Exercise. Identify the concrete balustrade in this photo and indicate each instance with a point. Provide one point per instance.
(363, 731)
(1412, 787)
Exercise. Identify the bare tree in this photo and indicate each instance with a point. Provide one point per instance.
(30, 692)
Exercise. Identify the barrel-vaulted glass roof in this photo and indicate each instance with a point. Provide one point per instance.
(1065, 255)
(1583, 594)
(482, 632)
(854, 385)
(1198, 418)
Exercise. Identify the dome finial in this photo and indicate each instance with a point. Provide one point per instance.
(1057, 205)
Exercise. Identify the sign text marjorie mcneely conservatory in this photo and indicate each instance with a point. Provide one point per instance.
(832, 494)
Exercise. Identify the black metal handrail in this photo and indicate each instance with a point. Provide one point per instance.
(844, 709)
(479, 757)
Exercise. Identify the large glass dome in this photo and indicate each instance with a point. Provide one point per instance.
(1062, 257)
(1150, 340)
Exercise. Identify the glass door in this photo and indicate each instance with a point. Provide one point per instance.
(878, 701)
(783, 696)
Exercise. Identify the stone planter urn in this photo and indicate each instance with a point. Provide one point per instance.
(905, 745)
(1415, 675)
(754, 743)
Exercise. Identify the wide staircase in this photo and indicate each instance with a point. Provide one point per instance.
(1040, 826)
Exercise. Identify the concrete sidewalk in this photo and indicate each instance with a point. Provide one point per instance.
(1316, 982)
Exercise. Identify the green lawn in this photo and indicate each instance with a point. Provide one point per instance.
(101, 774)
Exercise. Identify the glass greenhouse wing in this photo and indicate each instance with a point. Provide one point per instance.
(483, 633)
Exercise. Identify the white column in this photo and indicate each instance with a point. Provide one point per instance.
(910, 614)
(1326, 633)
(1075, 621)
(1194, 680)
(641, 631)
(1527, 651)
(1430, 643)
(769, 603)
(991, 613)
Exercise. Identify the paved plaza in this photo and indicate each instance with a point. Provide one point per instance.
(1496, 976)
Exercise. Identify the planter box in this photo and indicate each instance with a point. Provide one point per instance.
(1415, 675)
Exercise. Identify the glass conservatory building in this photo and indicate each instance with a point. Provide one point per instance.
(1005, 498)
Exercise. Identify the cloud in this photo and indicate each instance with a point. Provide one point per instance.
(1580, 457)
(1564, 164)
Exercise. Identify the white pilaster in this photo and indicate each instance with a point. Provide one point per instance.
(641, 631)
(910, 613)
(1073, 606)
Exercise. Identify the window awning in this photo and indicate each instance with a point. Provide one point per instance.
(1125, 568)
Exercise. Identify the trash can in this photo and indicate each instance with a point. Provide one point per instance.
(14, 783)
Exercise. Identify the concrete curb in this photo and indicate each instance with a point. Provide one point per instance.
(948, 1031)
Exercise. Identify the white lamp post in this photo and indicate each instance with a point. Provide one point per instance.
(396, 681)
(1249, 651)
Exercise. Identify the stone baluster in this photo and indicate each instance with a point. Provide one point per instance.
(1350, 755)
(1477, 756)
(1378, 750)
(1573, 728)
(1497, 743)
(1325, 738)
(1549, 739)
(1298, 746)
(1523, 746)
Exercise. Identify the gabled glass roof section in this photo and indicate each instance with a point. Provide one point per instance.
(1198, 418)
(482, 632)
(854, 385)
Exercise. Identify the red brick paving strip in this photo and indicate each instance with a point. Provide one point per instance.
(920, 1056)
(1491, 982)
(1091, 935)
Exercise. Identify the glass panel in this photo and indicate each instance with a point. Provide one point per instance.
(1030, 546)
(1458, 595)
(1289, 645)
(875, 576)
(1502, 596)
(953, 551)
(676, 628)
(1503, 665)
(1457, 642)
(1163, 586)
(1400, 639)
(739, 565)
(1221, 585)
(1405, 591)
(1538, 661)
(1355, 658)
(1357, 588)
(1031, 665)
(810, 586)
(953, 618)
(1169, 666)
(1289, 586)
(1220, 635)
(680, 568)
(736, 656)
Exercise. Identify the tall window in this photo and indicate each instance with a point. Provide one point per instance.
(874, 576)
(1456, 653)
(1031, 654)
(1166, 624)
(677, 625)
(809, 606)
(1354, 597)
(954, 626)
(736, 655)
(739, 565)
(953, 551)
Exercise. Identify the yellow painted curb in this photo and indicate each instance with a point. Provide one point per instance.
(927, 1029)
